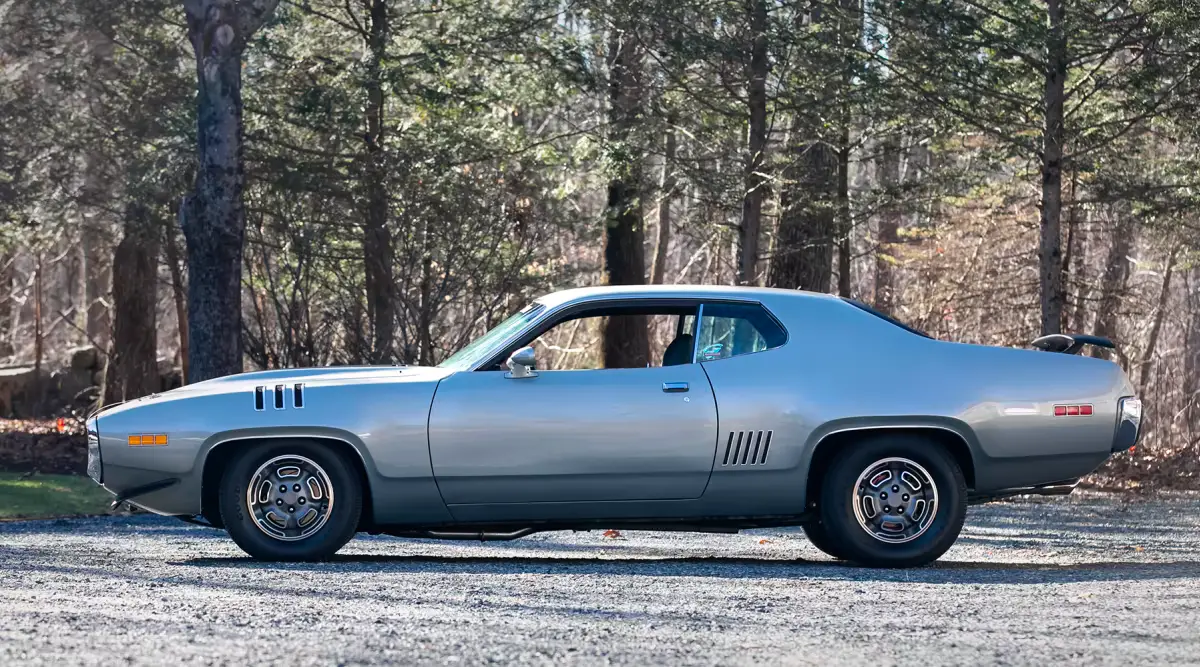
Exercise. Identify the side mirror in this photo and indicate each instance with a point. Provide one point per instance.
(520, 364)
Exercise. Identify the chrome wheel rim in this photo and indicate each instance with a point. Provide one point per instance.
(289, 497)
(895, 500)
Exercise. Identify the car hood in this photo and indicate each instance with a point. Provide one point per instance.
(309, 376)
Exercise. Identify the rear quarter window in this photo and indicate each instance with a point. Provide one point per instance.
(734, 329)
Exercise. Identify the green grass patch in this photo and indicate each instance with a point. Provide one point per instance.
(50, 496)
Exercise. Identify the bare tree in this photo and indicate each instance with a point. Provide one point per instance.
(132, 362)
(377, 241)
(626, 344)
(755, 176)
(1053, 135)
(213, 216)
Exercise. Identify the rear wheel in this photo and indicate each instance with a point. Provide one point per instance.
(290, 500)
(893, 501)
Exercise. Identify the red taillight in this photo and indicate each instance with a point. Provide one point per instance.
(1072, 410)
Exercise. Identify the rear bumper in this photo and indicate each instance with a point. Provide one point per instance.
(1126, 436)
(1000, 475)
(1062, 488)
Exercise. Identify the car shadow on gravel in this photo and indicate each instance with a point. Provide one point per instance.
(941, 572)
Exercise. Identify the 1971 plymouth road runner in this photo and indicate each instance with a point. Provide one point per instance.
(768, 408)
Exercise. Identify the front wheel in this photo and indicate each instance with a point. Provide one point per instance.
(290, 500)
(894, 501)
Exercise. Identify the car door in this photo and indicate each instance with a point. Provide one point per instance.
(574, 435)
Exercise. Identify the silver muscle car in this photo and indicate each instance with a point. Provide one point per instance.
(767, 408)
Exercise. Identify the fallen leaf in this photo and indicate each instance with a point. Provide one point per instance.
(612, 533)
(765, 542)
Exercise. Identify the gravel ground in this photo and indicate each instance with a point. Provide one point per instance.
(1086, 580)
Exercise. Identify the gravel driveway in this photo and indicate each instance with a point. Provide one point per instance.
(1087, 580)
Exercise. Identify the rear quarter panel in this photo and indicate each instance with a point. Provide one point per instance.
(844, 369)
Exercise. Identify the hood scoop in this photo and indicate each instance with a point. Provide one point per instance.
(279, 396)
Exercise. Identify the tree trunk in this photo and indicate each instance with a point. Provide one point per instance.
(6, 304)
(99, 199)
(844, 226)
(889, 227)
(1160, 314)
(179, 296)
(377, 240)
(666, 189)
(96, 276)
(39, 336)
(1112, 283)
(755, 178)
(132, 360)
(1050, 251)
(804, 244)
(425, 306)
(213, 216)
(849, 34)
(1191, 354)
(626, 344)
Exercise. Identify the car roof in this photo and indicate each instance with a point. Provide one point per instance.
(582, 294)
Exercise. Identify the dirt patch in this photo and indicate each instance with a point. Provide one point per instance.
(44, 445)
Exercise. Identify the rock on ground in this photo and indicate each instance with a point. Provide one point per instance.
(1088, 580)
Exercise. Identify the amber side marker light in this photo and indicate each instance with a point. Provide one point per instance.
(147, 439)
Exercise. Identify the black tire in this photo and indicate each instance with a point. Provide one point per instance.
(818, 535)
(839, 496)
(343, 506)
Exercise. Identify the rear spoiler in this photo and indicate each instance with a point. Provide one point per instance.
(1070, 343)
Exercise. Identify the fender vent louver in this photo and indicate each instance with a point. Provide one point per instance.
(258, 398)
(747, 448)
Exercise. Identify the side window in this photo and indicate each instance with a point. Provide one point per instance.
(618, 336)
(731, 329)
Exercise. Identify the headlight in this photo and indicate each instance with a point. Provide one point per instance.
(94, 467)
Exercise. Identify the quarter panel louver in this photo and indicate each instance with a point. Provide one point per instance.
(747, 448)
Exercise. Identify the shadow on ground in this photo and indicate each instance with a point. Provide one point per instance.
(942, 572)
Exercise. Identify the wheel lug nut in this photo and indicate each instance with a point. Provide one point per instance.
(883, 495)
(302, 501)
(906, 497)
(291, 509)
(895, 489)
(283, 488)
(886, 508)
(296, 488)
(279, 501)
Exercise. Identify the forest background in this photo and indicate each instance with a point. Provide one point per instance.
(219, 184)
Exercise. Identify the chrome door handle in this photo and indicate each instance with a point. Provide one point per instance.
(675, 387)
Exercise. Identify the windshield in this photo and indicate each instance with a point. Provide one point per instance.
(479, 349)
